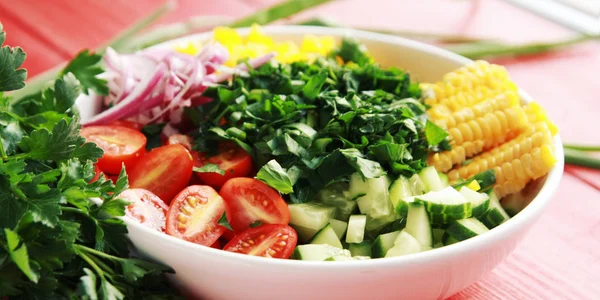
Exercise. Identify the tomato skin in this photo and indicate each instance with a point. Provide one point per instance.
(193, 203)
(268, 206)
(128, 124)
(232, 159)
(165, 171)
(269, 240)
(216, 245)
(147, 208)
(228, 235)
(121, 145)
(180, 139)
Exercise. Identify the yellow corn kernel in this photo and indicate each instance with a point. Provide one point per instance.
(536, 113)
(474, 185)
(534, 137)
(511, 177)
(257, 36)
(444, 161)
(477, 74)
(493, 128)
(500, 101)
(227, 36)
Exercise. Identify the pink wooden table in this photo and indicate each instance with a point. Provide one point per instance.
(560, 257)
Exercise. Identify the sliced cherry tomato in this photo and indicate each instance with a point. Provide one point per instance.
(269, 240)
(216, 245)
(180, 139)
(194, 215)
(146, 208)
(120, 145)
(233, 160)
(97, 175)
(228, 235)
(248, 200)
(164, 171)
(128, 124)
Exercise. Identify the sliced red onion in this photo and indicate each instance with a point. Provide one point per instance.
(243, 67)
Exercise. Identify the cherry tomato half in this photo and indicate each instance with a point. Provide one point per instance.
(248, 200)
(269, 240)
(216, 245)
(128, 124)
(164, 171)
(120, 145)
(194, 215)
(146, 208)
(232, 159)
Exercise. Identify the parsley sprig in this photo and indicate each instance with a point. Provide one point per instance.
(54, 242)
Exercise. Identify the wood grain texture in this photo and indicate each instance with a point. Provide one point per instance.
(559, 258)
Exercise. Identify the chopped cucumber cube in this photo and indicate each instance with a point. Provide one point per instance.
(383, 243)
(399, 191)
(431, 180)
(327, 236)
(446, 201)
(372, 195)
(304, 234)
(465, 229)
(339, 227)
(356, 229)
(360, 249)
(403, 245)
(417, 224)
(416, 185)
(495, 215)
(480, 202)
(310, 215)
(335, 195)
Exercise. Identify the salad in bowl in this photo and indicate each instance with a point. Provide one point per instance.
(298, 150)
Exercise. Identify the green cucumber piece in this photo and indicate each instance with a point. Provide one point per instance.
(310, 215)
(399, 191)
(339, 227)
(431, 180)
(446, 201)
(374, 226)
(495, 215)
(304, 234)
(480, 202)
(383, 243)
(403, 245)
(416, 185)
(361, 249)
(444, 179)
(327, 236)
(443, 219)
(437, 235)
(314, 252)
(345, 258)
(356, 229)
(513, 204)
(371, 195)
(335, 195)
(417, 224)
(448, 240)
(466, 229)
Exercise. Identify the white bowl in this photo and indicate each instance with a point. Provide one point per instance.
(435, 274)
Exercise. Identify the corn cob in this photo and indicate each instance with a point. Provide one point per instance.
(534, 137)
(513, 176)
(443, 161)
(477, 74)
(493, 128)
(535, 113)
(500, 101)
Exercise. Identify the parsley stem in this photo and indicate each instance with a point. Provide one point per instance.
(582, 147)
(3, 153)
(98, 253)
(580, 158)
(88, 260)
(72, 210)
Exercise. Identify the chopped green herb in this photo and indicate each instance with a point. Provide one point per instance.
(224, 222)
(209, 168)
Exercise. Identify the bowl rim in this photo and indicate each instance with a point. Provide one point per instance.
(528, 215)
